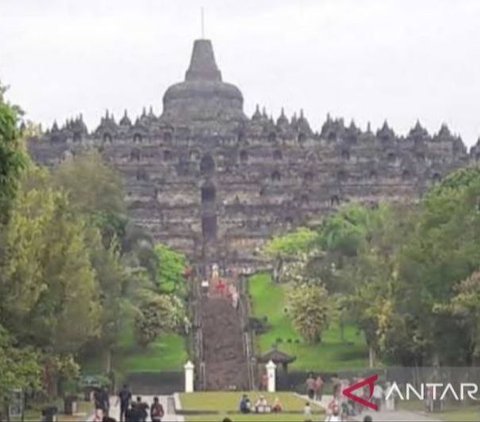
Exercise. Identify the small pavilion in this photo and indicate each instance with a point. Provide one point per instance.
(278, 358)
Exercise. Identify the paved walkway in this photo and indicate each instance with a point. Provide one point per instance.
(382, 415)
(397, 415)
(164, 400)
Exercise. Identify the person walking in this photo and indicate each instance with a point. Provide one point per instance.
(124, 398)
(310, 387)
(319, 388)
(156, 410)
(105, 401)
(141, 411)
(378, 396)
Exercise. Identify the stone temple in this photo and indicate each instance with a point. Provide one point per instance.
(205, 178)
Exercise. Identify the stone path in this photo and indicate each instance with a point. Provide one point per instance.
(166, 401)
(382, 415)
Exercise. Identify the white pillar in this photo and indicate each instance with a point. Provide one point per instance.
(271, 375)
(189, 368)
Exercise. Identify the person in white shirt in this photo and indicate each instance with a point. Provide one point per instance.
(261, 406)
(307, 412)
(334, 416)
(389, 398)
(378, 395)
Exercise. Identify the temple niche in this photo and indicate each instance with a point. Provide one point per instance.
(204, 177)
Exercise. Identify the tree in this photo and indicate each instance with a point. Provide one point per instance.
(49, 288)
(343, 232)
(115, 302)
(19, 367)
(288, 249)
(13, 158)
(94, 189)
(171, 268)
(309, 309)
(466, 306)
(443, 250)
(366, 277)
(158, 315)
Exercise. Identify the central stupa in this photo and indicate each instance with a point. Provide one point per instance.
(203, 96)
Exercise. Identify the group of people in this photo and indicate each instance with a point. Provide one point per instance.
(342, 408)
(315, 387)
(221, 286)
(130, 411)
(334, 414)
(260, 406)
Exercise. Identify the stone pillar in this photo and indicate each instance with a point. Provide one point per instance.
(189, 376)
(271, 375)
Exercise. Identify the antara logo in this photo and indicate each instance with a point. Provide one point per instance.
(370, 381)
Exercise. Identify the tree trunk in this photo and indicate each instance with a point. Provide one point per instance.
(6, 415)
(371, 357)
(108, 360)
(277, 270)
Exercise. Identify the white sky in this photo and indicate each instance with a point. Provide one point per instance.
(361, 59)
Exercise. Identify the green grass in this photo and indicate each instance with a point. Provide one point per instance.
(216, 406)
(167, 353)
(84, 409)
(331, 354)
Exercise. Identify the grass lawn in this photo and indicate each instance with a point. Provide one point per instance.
(216, 406)
(84, 410)
(332, 354)
(167, 353)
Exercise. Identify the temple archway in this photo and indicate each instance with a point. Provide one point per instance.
(207, 165)
(209, 227)
(208, 193)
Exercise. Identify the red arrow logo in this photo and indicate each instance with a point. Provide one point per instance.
(370, 381)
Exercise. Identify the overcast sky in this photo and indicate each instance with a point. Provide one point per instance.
(367, 60)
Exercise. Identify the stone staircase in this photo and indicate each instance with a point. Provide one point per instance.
(224, 353)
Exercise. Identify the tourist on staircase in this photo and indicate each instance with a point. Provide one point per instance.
(234, 296)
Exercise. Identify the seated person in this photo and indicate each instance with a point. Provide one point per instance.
(245, 404)
(277, 406)
(261, 405)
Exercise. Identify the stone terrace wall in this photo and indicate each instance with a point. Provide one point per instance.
(238, 187)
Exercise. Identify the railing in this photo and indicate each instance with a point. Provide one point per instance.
(202, 377)
(244, 309)
(198, 335)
